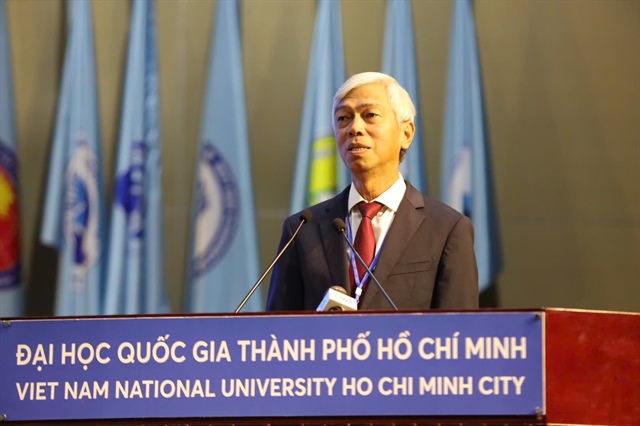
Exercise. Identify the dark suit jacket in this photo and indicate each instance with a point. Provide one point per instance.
(427, 260)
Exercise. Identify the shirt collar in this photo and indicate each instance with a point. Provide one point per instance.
(391, 198)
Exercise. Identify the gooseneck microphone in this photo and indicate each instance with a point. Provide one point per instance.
(340, 228)
(305, 217)
(337, 299)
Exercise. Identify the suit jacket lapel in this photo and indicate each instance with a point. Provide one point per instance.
(408, 218)
(335, 248)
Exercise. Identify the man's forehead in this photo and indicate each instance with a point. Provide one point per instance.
(368, 95)
(359, 104)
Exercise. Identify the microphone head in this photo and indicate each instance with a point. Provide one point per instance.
(306, 215)
(339, 225)
(339, 289)
(337, 299)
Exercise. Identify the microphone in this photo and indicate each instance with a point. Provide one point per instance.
(340, 227)
(337, 299)
(305, 217)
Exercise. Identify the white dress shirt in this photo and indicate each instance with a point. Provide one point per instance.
(390, 200)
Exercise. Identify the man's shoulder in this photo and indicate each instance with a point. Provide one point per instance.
(333, 207)
(439, 206)
(419, 200)
(434, 209)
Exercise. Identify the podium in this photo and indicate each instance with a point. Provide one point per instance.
(521, 367)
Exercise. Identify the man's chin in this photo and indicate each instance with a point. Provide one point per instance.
(358, 166)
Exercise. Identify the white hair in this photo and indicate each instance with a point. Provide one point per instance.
(399, 99)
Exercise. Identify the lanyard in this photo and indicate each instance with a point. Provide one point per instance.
(356, 278)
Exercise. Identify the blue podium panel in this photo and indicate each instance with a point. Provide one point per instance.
(413, 364)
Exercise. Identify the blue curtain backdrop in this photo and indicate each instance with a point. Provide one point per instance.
(466, 180)
(135, 277)
(223, 260)
(10, 278)
(319, 172)
(399, 61)
(74, 212)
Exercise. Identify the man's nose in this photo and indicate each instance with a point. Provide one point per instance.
(356, 127)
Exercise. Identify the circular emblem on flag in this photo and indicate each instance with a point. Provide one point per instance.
(82, 208)
(130, 190)
(9, 235)
(217, 209)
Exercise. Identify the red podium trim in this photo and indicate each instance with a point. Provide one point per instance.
(592, 367)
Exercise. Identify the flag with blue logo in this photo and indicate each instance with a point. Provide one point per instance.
(223, 259)
(10, 283)
(74, 210)
(319, 172)
(466, 181)
(399, 61)
(135, 279)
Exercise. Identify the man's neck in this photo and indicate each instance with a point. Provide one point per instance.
(372, 187)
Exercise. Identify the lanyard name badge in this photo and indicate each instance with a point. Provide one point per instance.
(356, 278)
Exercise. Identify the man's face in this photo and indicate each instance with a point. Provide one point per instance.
(367, 132)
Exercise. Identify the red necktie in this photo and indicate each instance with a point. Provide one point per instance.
(365, 243)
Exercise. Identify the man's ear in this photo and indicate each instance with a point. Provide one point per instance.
(408, 130)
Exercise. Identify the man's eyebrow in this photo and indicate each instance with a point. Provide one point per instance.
(339, 107)
(359, 106)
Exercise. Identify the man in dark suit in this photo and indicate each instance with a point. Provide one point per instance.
(423, 254)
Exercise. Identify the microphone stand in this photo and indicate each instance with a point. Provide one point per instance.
(304, 218)
(340, 227)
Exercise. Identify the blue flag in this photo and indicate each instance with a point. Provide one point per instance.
(74, 216)
(319, 173)
(399, 61)
(223, 260)
(135, 278)
(467, 183)
(10, 285)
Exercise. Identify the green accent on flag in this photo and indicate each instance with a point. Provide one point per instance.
(322, 176)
